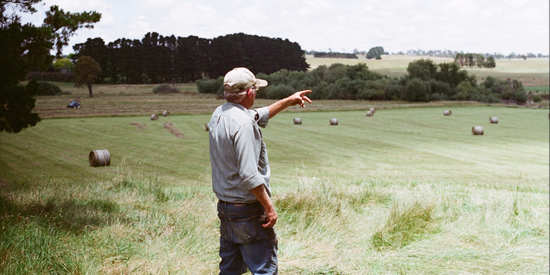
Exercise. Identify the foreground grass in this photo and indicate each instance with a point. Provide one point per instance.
(129, 224)
(116, 226)
(405, 191)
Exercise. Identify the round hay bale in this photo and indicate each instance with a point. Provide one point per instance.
(372, 110)
(333, 121)
(165, 113)
(297, 120)
(370, 113)
(99, 158)
(206, 127)
(477, 130)
(154, 117)
(447, 112)
(493, 119)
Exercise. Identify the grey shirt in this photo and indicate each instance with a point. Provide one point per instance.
(238, 153)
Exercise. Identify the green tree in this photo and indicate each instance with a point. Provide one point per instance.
(96, 49)
(465, 91)
(459, 59)
(16, 111)
(490, 63)
(26, 47)
(86, 70)
(417, 90)
(479, 60)
(375, 51)
(452, 74)
(424, 69)
(63, 64)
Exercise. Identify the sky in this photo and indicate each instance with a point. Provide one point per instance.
(478, 26)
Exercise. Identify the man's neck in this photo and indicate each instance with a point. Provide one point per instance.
(247, 103)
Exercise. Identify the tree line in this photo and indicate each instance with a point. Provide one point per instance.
(374, 52)
(160, 59)
(426, 81)
(448, 53)
(334, 55)
(474, 60)
(453, 54)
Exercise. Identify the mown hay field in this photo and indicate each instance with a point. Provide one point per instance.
(407, 190)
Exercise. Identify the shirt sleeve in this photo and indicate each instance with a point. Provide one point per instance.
(262, 116)
(248, 146)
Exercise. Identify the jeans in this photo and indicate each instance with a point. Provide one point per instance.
(244, 243)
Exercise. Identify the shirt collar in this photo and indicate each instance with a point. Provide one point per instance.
(242, 108)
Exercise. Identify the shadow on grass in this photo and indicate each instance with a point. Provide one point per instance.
(71, 215)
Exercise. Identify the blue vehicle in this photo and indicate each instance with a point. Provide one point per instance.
(74, 104)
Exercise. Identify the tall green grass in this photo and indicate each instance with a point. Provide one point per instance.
(63, 227)
(405, 191)
(405, 226)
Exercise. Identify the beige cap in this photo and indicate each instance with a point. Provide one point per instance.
(240, 79)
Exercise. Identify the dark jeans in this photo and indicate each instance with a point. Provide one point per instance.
(244, 243)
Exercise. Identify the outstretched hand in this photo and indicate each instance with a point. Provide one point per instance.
(300, 98)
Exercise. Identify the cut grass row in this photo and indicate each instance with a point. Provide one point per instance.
(422, 138)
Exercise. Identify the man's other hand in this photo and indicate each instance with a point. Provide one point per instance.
(271, 218)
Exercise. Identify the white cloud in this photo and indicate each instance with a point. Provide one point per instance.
(397, 25)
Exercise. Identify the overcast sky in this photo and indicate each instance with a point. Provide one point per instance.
(479, 26)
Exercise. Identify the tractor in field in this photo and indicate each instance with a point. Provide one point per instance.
(75, 103)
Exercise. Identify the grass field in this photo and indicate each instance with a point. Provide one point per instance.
(407, 191)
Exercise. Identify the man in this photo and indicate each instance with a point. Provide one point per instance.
(240, 175)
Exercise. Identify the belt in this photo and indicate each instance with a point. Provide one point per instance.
(235, 204)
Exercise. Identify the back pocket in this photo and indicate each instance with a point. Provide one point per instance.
(245, 230)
